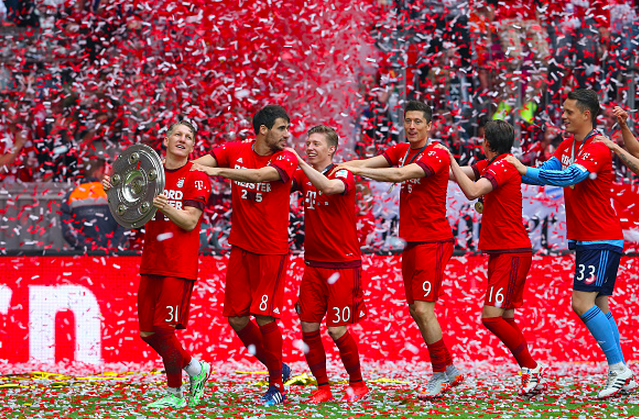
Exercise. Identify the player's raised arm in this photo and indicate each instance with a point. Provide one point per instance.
(628, 137)
(628, 159)
(465, 178)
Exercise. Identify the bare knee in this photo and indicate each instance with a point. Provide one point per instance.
(337, 332)
(238, 323)
(583, 301)
(423, 312)
(146, 334)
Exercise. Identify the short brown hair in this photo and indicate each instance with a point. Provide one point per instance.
(184, 122)
(329, 133)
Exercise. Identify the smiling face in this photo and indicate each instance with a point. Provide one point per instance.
(276, 137)
(180, 142)
(416, 128)
(318, 153)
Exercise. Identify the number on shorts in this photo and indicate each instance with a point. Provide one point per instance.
(581, 270)
(427, 287)
(173, 314)
(499, 297)
(343, 315)
(264, 303)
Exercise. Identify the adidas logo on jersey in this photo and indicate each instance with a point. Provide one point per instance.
(276, 310)
(240, 160)
(362, 314)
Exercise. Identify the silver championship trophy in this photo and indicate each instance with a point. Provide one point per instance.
(138, 177)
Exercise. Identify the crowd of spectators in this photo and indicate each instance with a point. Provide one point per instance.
(81, 79)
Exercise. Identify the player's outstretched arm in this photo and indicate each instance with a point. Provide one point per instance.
(390, 174)
(468, 171)
(377, 161)
(206, 160)
(321, 182)
(550, 173)
(629, 160)
(186, 218)
(263, 174)
(628, 137)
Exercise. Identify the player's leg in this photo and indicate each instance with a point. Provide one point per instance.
(268, 274)
(504, 292)
(315, 355)
(346, 306)
(594, 281)
(163, 305)
(583, 304)
(237, 302)
(311, 308)
(423, 270)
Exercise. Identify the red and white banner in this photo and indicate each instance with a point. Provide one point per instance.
(84, 309)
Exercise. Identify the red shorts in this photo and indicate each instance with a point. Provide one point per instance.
(163, 301)
(423, 270)
(336, 291)
(506, 279)
(254, 284)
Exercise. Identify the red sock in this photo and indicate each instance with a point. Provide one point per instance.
(251, 337)
(350, 357)
(174, 357)
(316, 356)
(272, 344)
(439, 355)
(509, 333)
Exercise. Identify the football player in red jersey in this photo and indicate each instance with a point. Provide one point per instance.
(504, 237)
(583, 167)
(169, 266)
(262, 173)
(422, 169)
(332, 281)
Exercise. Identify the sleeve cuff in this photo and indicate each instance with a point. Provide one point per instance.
(533, 173)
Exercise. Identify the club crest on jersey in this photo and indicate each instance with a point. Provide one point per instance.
(180, 182)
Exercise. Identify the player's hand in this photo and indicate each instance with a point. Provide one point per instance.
(622, 116)
(443, 147)
(518, 165)
(211, 171)
(605, 141)
(160, 202)
(106, 183)
(292, 150)
(340, 166)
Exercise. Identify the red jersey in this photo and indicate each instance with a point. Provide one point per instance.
(168, 249)
(330, 232)
(589, 213)
(259, 223)
(422, 201)
(502, 227)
